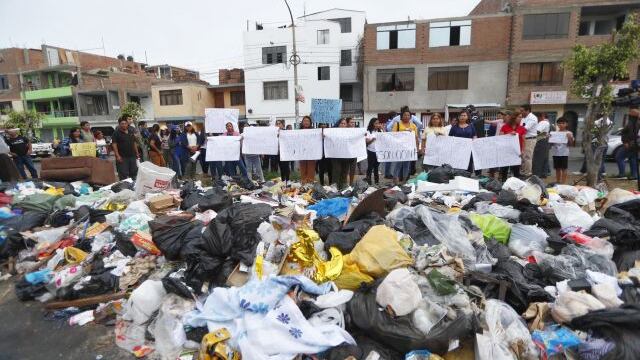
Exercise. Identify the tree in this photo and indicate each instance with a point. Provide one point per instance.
(134, 110)
(26, 121)
(594, 68)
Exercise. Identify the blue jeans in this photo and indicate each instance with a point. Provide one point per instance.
(401, 170)
(216, 169)
(176, 164)
(633, 162)
(254, 167)
(230, 168)
(21, 162)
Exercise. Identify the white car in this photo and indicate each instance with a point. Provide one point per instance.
(41, 149)
(614, 144)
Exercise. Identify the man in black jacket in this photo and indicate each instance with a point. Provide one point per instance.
(629, 137)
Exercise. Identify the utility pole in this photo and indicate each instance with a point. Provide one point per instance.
(294, 60)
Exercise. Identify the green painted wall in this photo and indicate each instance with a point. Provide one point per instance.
(48, 93)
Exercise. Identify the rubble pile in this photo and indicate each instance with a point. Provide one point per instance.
(444, 267)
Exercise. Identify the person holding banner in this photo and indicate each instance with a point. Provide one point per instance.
(307, 167)
(176, 150)
(285, 169)
(373, 166)
(512, 127)
(434, 127)
(85, 132)
(324, 165)
(464, 130)
(403, 168)
(254, 167)
(155, 146)
(189, 144)
(341, 166)
(202, 143)
(230, 166)
(64, 148)
(560, 152)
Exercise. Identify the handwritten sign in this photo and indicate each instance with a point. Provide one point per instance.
(558, 137)
(260, 140)
(223, 148)
(326, 110)
(396, 146)
(300, 144)
(496, 151)
(83, 149)
(215, 119)
(345, 143)
(450, 150)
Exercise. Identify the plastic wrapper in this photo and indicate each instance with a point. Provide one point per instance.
(137, 207)
(427, 315)
(555, 340)
(514, 184)
(336, 207)
(505, 332)
(169, 331)
(570, 214)
(379, 252)
(525, 239)
(501, 211)
(606, 294)
(571, 304)
(133, 223)
(531, 192)
(492, 227)
(399, 292)
(567, 191)
(447, 230)
(596, 245)
(144, 301)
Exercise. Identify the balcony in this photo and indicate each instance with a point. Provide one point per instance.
(60, 118)
(51, 93)
(351, 107)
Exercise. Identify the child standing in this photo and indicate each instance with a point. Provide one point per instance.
(560, 152)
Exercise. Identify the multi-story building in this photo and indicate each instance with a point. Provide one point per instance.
(174, 73)
(327, 48)
(431, 65)
(69, 86)
(178, 102)
(543, 33)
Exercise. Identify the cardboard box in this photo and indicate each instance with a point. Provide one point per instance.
(161, 202)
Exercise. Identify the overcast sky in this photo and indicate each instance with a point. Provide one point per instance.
(204, 35)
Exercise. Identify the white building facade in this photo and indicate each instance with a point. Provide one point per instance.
(327, 46)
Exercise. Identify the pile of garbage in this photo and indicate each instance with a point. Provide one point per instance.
(446, 266)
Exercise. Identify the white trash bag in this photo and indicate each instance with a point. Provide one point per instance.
(152, 178)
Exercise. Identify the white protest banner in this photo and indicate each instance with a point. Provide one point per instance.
(345, 143)
(396, 146)
(451, 150)
(223, 148)
(558, 137)
(260, 140)
(215, 120)
(496, 151)
(300, 144)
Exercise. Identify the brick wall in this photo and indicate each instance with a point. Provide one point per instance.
(230, 76)
(489, 42)
(13, 61)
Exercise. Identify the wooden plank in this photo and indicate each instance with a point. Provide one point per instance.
(93, 300)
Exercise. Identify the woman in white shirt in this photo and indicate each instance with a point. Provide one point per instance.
(435, 127)
(540, 161)
(373, 166)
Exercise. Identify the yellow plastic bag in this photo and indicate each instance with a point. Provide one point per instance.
(55, 191)
(351, 277)
(74, 255)
(379, 252)
(329, 270)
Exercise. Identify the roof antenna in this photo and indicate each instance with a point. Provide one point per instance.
(304, 8)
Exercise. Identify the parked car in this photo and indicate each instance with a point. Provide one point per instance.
(614, 144)
(41, 149)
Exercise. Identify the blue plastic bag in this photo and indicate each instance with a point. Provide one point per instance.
(336, 207)
(38, 277)
(554, 340)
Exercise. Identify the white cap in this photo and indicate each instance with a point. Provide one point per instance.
(188, 123)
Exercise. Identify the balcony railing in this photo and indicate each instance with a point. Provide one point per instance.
(60, 113)
(351, 107)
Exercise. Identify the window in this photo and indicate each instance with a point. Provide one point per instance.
(5, 106)
(345, 57)
(346, 92)
(4, 82)
(323, 37)
(324, 73)
(345, 24)
(237, 98)
(274, 54)
(170, 97)
(275, 90)
(450, 33)
(394, 79)
(597, 26)
(449, 78)
(396, 37)
(548, 73)
(546, 26)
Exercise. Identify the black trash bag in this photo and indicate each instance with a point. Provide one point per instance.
(342, 352)
(326, 225)
(122, 185)
(308, 308)
(460, 172)
(530, 215)
(190, 200)
(632, 207)
(94, 215)
(124, 244)
(104, 283)
(60, 218)
(622, 231)
(348, 236)
(441, 174)
(26, 291)
(619, 325)
(399, 333)
(26, 221)
(215, 199)
(169, 232)
(230, 238)
(631, 292)
(493, 185)
(176, 286)
(507, 197)
(247, 184)
(483, 196)
(555, 241)
(359, 187)
(13, 243)
(625, 259)
(319, 193)
(196, 334)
